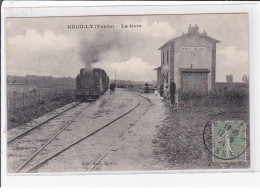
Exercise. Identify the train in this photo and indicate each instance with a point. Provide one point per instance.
(91, 84)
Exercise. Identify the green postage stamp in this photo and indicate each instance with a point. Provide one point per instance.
(229, 141)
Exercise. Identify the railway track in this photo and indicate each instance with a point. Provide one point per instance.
(121, 137)
(42, 162)
(51, 139)
(48, 130)
(40, 124)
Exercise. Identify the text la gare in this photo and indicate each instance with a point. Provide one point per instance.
(131, 26)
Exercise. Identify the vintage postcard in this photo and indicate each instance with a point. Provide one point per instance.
(127, 93)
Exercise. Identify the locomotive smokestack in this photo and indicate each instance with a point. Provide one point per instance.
(88, 67)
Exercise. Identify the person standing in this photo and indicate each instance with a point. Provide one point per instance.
(172, 92)
(161, 90)
(112, 88)
(146, 88)
(155, 90)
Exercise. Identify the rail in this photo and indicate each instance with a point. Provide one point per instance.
(49, 141)
(121, 137)
(38, 125)
(81, 139)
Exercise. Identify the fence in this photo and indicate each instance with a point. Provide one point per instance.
(17, 101)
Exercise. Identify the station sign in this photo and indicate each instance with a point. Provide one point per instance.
(193, 49)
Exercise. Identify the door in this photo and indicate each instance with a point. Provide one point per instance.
(195, 82)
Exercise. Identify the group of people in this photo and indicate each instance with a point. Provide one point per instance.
(161, 90)
(172, 91)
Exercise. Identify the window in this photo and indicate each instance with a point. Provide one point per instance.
(163, 58)
(167, 56)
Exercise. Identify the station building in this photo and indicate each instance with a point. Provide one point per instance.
(189, 61)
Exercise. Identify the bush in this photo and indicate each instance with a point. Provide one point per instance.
(214, 98)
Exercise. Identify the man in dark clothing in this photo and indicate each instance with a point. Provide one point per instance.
(161, 90)
(172, 91)
(112, 88)
(146, 88)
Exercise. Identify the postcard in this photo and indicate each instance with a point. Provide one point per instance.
(127, 93)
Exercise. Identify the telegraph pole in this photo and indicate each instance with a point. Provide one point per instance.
(115, 78)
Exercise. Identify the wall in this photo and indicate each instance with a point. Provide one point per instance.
(166, 66)
(198, 59)
(158, 78)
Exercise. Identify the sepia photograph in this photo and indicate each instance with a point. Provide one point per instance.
(127, 93)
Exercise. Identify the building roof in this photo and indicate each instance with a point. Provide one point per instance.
(157, 68)
(194, 70)
(190, 33)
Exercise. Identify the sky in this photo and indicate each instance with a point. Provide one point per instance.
(46, 46)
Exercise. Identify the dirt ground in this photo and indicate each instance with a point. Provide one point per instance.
(135, 152)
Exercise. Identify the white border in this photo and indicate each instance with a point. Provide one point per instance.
(33, 9)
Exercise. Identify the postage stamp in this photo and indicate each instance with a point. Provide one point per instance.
(229, 141)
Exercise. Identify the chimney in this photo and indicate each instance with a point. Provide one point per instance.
(193, 29)
(204, 33)
(189, 28)
(196, 28)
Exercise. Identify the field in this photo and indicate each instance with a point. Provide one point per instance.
(31, 96)
(26, 102)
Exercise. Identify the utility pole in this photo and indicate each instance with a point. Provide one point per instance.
(115, 78)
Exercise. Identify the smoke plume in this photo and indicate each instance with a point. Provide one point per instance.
(95, 49)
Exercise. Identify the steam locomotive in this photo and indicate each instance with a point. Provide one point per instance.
(91, 83)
